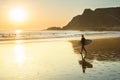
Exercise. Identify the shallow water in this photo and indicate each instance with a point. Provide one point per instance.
(54, 60)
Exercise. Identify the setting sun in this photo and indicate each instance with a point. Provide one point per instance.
(18, 14)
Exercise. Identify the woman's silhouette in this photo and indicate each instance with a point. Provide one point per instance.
(83, 40)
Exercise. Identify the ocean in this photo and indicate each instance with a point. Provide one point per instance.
(55, 35)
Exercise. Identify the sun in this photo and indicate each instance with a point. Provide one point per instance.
(18, 14)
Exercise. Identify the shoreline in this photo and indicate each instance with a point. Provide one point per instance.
(101, 49)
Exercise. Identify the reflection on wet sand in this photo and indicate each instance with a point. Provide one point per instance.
(85, 64)
(101, 49)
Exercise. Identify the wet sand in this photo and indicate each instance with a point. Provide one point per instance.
(101, 49)
(58, 60)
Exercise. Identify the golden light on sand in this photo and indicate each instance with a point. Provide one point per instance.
(18, 14)
(19, 53)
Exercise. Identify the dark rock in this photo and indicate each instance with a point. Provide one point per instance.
(54, 28)
(99, 19)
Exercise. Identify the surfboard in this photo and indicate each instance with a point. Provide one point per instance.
(87, 64)
(87, 41)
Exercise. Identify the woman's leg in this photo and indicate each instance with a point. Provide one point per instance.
(85, 52)
(82, 48)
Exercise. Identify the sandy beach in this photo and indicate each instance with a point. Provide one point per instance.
(101, 49)
(59, 60)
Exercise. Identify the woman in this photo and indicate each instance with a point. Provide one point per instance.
(83, 40)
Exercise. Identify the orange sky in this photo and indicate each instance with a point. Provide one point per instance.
(41, 14)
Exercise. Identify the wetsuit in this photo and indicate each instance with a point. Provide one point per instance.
(83, 48)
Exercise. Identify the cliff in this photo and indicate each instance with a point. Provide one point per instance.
(99, 19)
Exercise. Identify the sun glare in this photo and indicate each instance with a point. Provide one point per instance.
(18, 14)
(18, 31)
